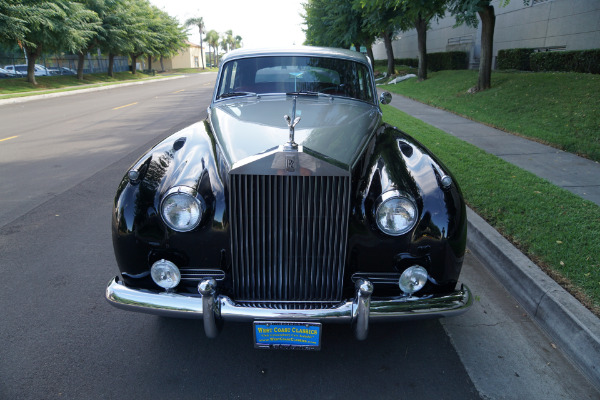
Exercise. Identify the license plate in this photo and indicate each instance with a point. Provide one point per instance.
(287, 335)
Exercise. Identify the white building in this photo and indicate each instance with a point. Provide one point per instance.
(543, 24)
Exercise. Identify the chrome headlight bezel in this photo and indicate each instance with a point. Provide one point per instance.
(407, 202)
(195, 201)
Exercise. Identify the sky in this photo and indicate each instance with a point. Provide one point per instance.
(260, 23)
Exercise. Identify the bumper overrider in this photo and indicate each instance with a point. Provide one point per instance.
(359, 312)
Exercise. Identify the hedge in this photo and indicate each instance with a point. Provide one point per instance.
(586, 61)
(435, 61)
(410, 62)
(447, 60)
(514, 59)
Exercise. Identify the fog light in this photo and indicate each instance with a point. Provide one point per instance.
(165, 274)
(413, 279)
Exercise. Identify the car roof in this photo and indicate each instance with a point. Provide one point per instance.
(297, 51)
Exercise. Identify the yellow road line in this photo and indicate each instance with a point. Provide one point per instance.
(126, 105)
(178, 91)
(8, 138)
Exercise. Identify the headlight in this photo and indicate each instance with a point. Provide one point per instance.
(165, 274)
(181, 209)
(413, 279)
(396, 213)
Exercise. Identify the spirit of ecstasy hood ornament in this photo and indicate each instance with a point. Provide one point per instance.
(292, 122)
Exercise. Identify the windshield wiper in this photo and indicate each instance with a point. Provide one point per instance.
(307, 93)
(235, 94)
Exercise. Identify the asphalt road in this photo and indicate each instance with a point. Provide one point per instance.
(59, 338)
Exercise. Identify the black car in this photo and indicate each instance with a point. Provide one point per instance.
(291, 206)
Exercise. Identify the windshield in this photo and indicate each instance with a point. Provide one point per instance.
(296, 75)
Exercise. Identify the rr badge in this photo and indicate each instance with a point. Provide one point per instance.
(290, 164)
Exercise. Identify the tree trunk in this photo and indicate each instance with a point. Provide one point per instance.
(133, 63)
(32, 56)
(149, 58)
(80, 62)
(202, 50)
(488, 22)
(370, 53)
(111, 63)
(387, 40)
(421, 26)
(162, 64)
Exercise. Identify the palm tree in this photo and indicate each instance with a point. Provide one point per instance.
(229, 39)
(224, 44)
(237, 42)
(212, 37)
(199, 22)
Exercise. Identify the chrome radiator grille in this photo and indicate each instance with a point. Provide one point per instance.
(288, 236)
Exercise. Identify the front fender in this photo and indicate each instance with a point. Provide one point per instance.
(396, 161)
(186, 158)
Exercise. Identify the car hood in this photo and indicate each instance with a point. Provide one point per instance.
(335, 127)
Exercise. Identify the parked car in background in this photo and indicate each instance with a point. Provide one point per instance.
(21, 69)
(61, 71)
(18, 70)
(291, 206)
(7, 74)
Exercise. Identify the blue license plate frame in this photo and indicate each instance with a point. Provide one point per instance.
(287, 335)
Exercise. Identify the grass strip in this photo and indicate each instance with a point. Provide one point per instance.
(19, 87)
(559, 109)
(45, 83)
(555, 228)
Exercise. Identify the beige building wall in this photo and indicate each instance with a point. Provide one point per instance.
(190, 57)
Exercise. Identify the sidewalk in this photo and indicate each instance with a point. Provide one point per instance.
(570, 325)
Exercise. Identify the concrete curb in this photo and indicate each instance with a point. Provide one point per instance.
(573, 327)
(16, 100)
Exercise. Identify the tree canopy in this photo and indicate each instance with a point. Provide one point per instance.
(341, 23)
(118, 27)
(132, 28)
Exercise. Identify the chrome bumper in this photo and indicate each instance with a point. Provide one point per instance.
(214, 309)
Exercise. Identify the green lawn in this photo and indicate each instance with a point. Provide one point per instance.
(557, 229)
(10, 88)
(560, 109)
(20, 85)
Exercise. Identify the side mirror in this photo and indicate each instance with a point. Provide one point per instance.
(385, 98)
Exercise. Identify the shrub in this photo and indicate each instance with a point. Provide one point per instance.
(586, 61)
(447, 60)
(410, 62)
(514, 59)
